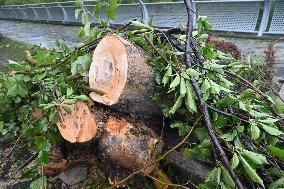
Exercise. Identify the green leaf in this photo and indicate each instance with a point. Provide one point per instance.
(85, 18)
(214, 176)
(67, 109)
(175, 82)
(277, 152)
(268, 120)
(158, 78)
(243, 106)
(182, 86)
(185, 76)
(15, 87)
(82, 97)
(139, 25)
(190, 98)
(247, 94)
(43, 157)
(271, 130)
(167, 75)
(226, 83)
(215, 88)
(70, 101)
(229, 136)
(254, 131)
(193, 73)
(87, 27)
(205, 86)
(111, 9)
(279, 184)
(237, 142)
(79, 3)
(254, 157)
(221, 121)
(53, 118)
(176, 106)
(227, 178)
(1, 126)
(182, 128)
(203, 36)
(251, 173)
(226, 102)
(223, 186)
(77, 12)
(80, 33)
(81, 64)
(202, 151)
(235, 161)
(279, 106)
(69, 92)
(203, 24)
(39, 183)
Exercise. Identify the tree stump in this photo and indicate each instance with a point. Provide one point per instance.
(119, 70)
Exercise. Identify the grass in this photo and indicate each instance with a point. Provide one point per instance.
(12, 50)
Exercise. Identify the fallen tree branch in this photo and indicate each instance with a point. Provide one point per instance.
(27, 162)
(204, 106)
(250, 85)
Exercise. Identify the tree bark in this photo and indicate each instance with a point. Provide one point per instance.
(131, 145)
(126, 141)
(120, 71)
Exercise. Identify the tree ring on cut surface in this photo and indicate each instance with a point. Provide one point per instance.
(79, 125)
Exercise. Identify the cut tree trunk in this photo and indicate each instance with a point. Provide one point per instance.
(79, 125)
(125, 81)
(129, 145)
(125, 141)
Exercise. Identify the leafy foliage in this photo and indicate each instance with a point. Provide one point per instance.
(247, 121)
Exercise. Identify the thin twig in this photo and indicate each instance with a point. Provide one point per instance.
(126, 25)
(250, 85)
(61, 61)
(166, 184)
(204, 106)
(26, 162)
(227, 114)
(153, 46)
(267, 84)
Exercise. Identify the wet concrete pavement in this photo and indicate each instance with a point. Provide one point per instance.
(38, 34)
(46, 35)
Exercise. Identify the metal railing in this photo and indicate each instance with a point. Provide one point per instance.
(224, 15)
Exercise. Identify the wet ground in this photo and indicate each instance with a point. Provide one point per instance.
(38, 34)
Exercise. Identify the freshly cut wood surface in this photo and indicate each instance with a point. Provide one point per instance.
(120, 71)
(79, 125)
